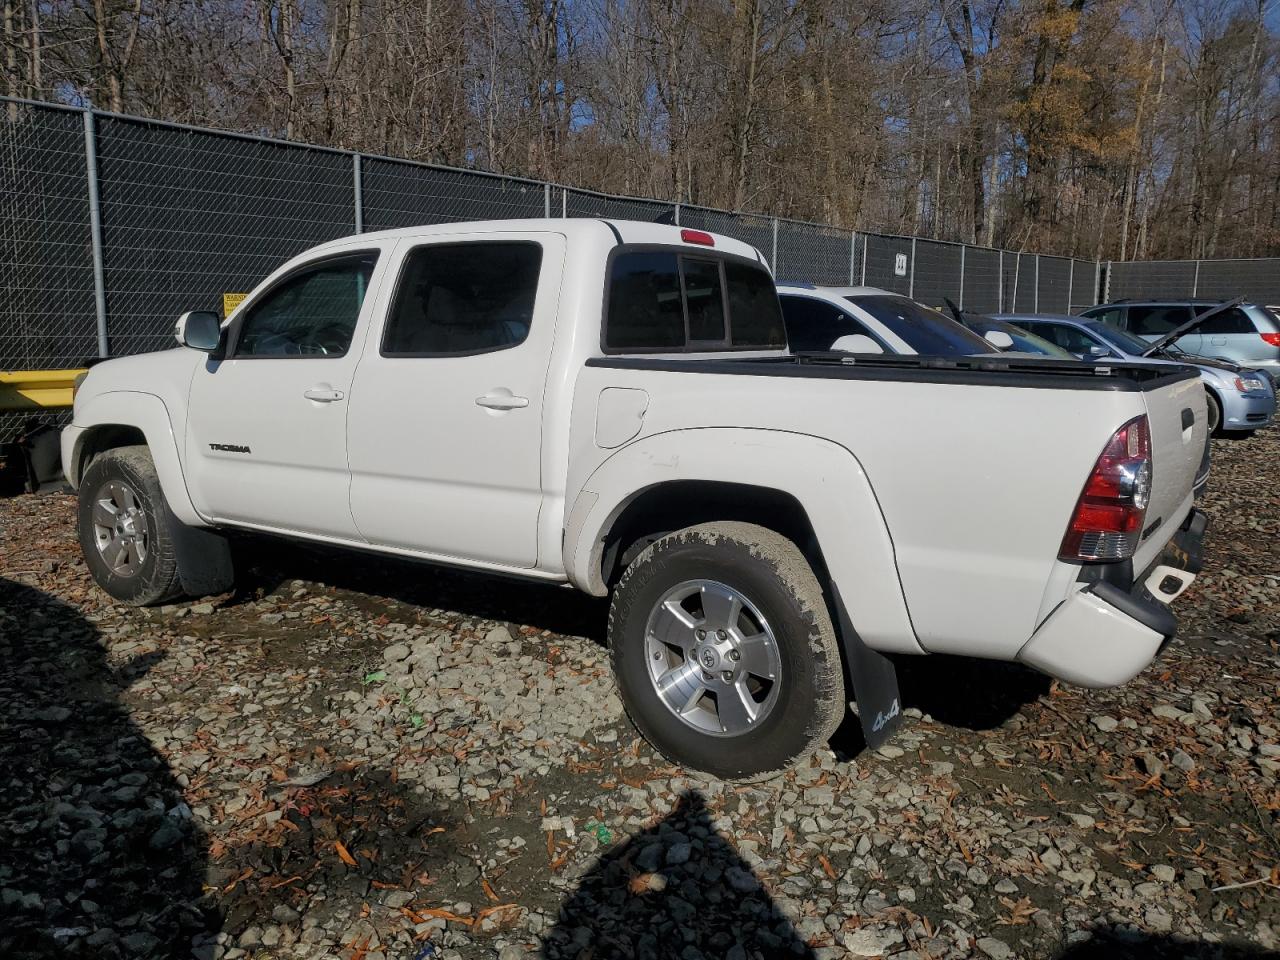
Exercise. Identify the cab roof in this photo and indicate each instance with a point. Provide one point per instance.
(579, 229)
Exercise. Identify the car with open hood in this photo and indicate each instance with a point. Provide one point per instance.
(1240, 400)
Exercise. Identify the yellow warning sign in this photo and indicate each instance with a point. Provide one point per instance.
(230, 301)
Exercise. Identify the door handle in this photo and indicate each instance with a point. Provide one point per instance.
(323, 394)
(501, 401)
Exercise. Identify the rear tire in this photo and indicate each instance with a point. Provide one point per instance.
(126, 530)
(724, 651)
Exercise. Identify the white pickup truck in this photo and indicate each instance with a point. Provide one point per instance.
(611, 405)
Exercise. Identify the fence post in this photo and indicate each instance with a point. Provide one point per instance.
(853, 252)
(677, 214)
(773, 260)
(1035, 297)
(960, 302)
(95, 232)
(911, 274)
(1000, 283)
(1195, 282)
(864, 261)
(546, 200)
(1106, 284)
(564, 203)
(1071, 281)
(357, 183)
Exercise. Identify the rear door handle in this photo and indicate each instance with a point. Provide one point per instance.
(501, 401)
(323, 394)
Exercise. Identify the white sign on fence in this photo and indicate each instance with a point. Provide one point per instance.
(900, 265)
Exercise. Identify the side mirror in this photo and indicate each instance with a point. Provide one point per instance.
(1098, 350)
(199, 330)
(857, 343)
(998, 339)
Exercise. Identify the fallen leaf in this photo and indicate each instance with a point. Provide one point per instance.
(344, 854)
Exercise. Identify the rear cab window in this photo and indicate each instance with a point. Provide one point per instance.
(666, 300)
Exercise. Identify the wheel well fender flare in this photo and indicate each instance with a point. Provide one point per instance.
(825, 480)
(116, 419)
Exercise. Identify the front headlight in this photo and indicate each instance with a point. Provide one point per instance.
(1249, 384)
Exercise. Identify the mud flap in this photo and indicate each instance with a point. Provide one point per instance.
(878, 703)
(204, 558)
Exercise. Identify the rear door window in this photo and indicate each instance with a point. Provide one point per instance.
(1156, 321)
(1234, 320)
(456, 299)
(665, 301)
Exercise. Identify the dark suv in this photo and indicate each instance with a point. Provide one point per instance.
(1248, 334)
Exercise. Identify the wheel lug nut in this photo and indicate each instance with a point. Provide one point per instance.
(727, 676)
(720, 635)
(735, 655)
(701, 634)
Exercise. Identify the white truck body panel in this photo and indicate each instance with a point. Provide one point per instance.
(939, 503)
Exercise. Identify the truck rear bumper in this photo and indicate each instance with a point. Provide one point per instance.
(1103, 635)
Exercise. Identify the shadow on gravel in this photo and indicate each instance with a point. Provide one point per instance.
(968, 693)
(264, 563)
(99, 856)
(672, 887)
(1131, 945)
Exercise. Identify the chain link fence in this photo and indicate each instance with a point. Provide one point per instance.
(111, 226)
(1256, 280)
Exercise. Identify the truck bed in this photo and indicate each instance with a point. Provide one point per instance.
(974, 463)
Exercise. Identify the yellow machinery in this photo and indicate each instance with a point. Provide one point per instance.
(35, 389)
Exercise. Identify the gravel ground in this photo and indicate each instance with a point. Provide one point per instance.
(363, 759)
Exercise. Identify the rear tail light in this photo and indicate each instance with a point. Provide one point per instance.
(1272, 338)
(1107, 522)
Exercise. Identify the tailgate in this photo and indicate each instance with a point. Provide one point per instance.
(1177, 417)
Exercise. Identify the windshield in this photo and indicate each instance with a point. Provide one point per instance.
(1124, 342)
(925, 331)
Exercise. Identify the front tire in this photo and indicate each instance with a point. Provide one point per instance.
(126, 531)
(1213, 413)
(724, 652)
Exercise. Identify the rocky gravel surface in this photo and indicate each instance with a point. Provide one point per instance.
(355, 758)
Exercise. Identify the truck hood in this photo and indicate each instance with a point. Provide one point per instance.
(166, 373)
